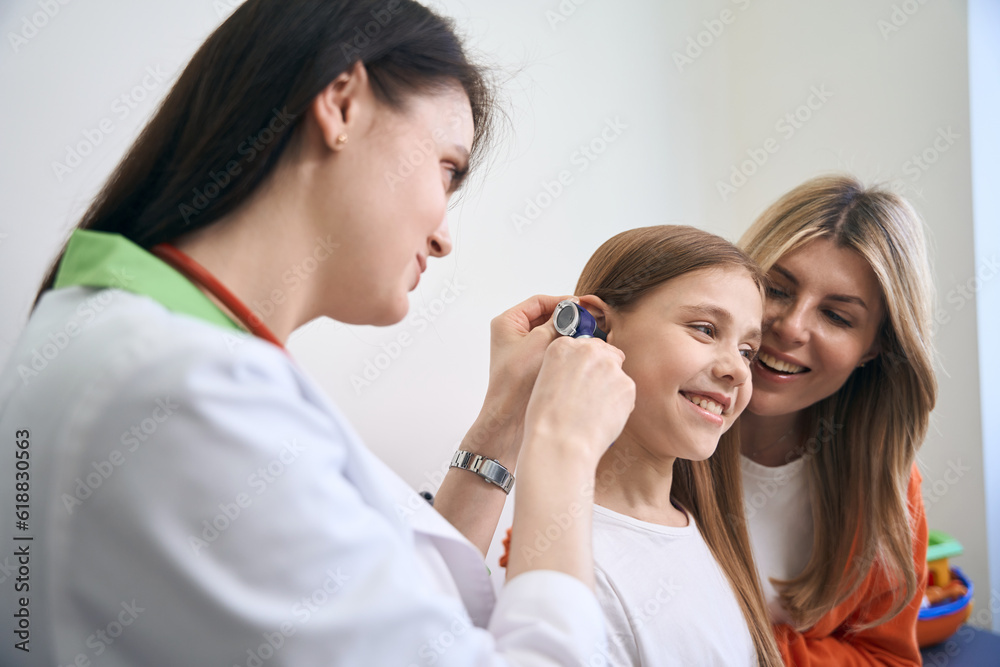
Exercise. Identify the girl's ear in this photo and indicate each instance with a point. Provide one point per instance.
(599, 309)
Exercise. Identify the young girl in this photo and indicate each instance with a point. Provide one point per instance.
(843, 389)
(675, 574)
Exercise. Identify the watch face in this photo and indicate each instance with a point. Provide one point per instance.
(567, 318)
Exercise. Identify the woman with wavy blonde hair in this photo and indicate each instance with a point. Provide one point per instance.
(843, 389)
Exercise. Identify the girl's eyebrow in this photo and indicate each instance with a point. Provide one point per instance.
(722, 315)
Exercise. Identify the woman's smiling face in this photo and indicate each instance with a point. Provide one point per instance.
(688, 345)
(821, 321)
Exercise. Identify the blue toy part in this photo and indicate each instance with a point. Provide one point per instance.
(928, 613)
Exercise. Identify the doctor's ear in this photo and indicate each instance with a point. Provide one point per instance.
(344, 107)
(601, 311)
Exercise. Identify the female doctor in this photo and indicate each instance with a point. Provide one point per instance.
(190, 495)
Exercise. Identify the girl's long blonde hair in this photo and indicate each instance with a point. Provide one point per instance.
(625, 268)
(872, 426)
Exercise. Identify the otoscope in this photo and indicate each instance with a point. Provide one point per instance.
(572, 319)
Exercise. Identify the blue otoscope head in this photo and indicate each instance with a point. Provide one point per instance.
(574, 320)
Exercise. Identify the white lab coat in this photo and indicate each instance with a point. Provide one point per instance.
(196, 500)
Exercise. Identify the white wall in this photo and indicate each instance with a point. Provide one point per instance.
(680, 130)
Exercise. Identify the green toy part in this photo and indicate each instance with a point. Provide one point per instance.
(942, 545)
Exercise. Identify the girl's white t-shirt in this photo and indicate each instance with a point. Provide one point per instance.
(779, 518)
(664, 596)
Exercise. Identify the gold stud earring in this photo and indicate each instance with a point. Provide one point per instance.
(862, 364)
(341, 140)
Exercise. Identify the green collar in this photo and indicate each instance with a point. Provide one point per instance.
(105, 259)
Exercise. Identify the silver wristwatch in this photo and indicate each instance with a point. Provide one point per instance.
(488, 469)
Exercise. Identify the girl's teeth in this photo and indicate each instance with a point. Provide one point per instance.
(780, 366)
(705, 403)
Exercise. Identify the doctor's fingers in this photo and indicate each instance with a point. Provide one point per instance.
(583, 355)
(526, 326)
(529, 314)
(518, 339)
(581, 392)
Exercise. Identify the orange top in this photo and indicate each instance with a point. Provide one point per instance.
(506, 549)
(892, 643)
(829, 642)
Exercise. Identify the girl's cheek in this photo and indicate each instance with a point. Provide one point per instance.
(746, 393)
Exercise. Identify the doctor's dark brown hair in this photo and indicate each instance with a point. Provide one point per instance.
(241, 96)
(623, 270)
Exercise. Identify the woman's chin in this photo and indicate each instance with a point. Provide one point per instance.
(379, 315)
(769, 406)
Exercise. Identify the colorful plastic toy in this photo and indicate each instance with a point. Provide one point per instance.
(948, 600)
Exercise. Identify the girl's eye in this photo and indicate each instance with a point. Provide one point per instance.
(776, 293)
(837, 319)
(749, 354)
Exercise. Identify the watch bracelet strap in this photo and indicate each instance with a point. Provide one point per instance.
(489, 469)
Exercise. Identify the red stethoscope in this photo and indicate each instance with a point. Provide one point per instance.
(199, 275)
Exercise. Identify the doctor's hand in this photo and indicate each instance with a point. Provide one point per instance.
(518, 340)
(581, 400)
